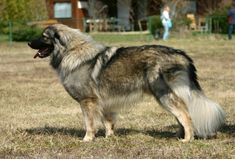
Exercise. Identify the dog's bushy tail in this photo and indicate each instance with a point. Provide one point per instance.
(207, 116)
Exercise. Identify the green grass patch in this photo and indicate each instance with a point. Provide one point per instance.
(122, 37)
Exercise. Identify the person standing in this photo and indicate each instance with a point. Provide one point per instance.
(231, 20)
(166, 22)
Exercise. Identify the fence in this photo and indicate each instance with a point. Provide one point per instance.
(219, 24)
(9, 29)
(215, 24)
(6, 33)
(24, 31)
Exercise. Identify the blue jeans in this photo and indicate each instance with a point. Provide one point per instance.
(166, 31)
(230, 30)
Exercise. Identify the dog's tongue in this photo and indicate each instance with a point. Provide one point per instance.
(40, 52)
(36, 55)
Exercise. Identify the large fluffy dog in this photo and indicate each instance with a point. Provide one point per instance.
(103, 79)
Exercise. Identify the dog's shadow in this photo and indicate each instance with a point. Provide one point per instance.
(48, 130)
(80, 133)
(228, 129)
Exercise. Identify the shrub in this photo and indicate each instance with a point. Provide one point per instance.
(219, 23)
(154, 24)
(25, 33)
(20, 30)
(4, 27)
(182, 21)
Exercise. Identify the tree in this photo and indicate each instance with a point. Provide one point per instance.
(22, 10)
(207, 6)
(37, 9)
(177, 7)
(154, 7)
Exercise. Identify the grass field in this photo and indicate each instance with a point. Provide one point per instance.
(38, 119)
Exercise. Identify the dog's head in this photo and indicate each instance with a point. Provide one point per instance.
(43, 44)
(46, 44)
(66, 44)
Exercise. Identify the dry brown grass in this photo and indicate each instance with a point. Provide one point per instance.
(39, 120)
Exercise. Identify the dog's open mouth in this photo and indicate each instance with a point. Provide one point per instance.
(44, 52)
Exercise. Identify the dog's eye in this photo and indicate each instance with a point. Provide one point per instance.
(45, 38)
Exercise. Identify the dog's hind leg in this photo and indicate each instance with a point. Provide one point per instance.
(109, 121)
(177, 107)
(180, 132)
(168, 99)
(90, 112)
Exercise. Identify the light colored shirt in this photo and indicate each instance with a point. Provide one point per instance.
(165, 16)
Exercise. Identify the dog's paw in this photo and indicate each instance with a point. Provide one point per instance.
(109, 134)
(184, 140)
(187, 140)
(88, 139)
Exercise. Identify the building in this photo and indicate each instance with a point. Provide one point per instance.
(108, 15)
(69, 12)
(123, 14)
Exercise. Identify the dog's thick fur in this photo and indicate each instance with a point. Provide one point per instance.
(103, 79)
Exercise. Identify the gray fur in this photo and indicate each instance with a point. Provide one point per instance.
(102, 60)
(104, 80)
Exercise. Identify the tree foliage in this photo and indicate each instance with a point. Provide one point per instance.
(208, 6)
(23, 10)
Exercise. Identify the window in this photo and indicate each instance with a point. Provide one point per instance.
(62, 10)
(82, 5)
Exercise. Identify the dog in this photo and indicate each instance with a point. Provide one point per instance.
(103, 79)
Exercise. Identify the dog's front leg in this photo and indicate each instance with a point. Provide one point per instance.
(89, 110)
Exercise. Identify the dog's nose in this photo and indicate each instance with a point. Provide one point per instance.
(29, 44)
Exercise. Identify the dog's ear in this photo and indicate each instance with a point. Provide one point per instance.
(57, 35)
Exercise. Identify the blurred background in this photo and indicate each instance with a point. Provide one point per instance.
(22, 20)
